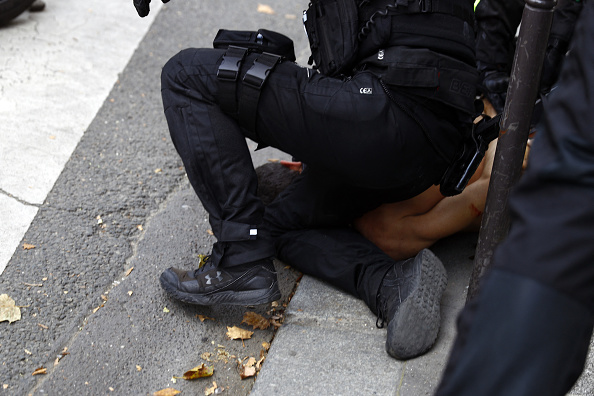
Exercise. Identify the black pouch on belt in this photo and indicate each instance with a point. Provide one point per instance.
(261, 41)
(332, 28)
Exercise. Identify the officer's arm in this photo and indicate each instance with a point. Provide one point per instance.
(497, 23)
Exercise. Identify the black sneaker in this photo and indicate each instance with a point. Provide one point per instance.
(250, 284)
(409, 301)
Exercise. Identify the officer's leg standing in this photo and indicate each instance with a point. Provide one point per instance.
(528, 330)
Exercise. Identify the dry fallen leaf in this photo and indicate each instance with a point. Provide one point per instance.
(203, 318)
(236, 333)
(28, 246)
(138, 368)
(211, 390)
(251, 361)
(265, 9)
(266, 346)
(165, 310)
(130, 292)
(206, 356)
(255, 320)
(8, 309)
(198, 372)
(40, 370)
(167, 392)
(259, 363)
(246, 372)
(130, 270)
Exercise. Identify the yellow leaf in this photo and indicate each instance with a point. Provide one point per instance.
(130, 270)
(138, 368)
(167, 392)
(165, 310)
(28, 246)
(40, 370)
(8, 310)
(203, 318)
(211, 390)
(198, 372)
(203, 257)
(236, 333)
(265, 9)
(266, 346)
(255, 320)
(246, 372)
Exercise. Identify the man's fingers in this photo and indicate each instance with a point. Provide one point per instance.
(142, 7)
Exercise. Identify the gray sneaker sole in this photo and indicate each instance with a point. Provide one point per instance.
(414, 328)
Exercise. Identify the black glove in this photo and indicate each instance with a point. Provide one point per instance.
(493, 83)
(553, 60)
(142, 7)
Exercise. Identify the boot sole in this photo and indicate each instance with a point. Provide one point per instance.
(414, 328)
(225, 297)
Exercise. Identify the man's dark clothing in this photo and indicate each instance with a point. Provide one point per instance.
(528, 331)
(364, 142)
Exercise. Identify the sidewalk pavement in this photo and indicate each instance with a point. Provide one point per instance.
(121, 211)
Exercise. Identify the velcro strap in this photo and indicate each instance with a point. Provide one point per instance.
(229, 231)
(227, 76)
(253, 81)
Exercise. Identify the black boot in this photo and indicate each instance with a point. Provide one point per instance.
(249, 284)
(409, 301)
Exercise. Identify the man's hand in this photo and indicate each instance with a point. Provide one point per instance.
(142, 7)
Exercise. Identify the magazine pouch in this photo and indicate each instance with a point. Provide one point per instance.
(332, 27)
(261, 41)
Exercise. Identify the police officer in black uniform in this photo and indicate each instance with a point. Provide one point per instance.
(528, 330)
(383, 130)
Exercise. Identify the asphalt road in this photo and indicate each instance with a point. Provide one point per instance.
(123, 201)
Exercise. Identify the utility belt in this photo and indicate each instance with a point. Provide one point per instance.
(428, 74)
(335, 28)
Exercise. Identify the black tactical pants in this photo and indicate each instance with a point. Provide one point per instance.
(361, 149)
(528, 330)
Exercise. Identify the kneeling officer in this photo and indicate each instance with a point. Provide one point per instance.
(380, 118)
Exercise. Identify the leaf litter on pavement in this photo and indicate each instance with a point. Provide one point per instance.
(8, 309)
